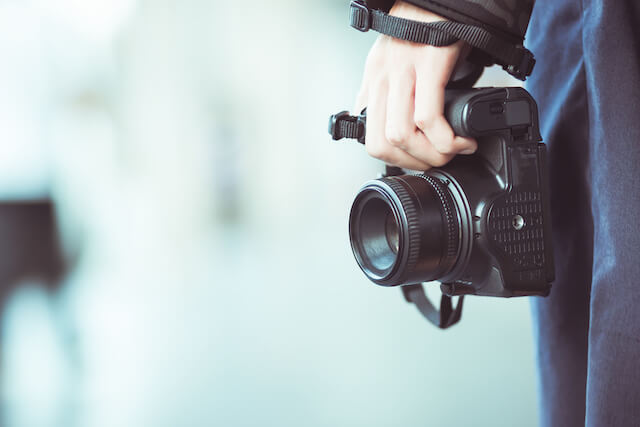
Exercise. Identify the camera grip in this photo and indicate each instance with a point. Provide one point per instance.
(456, 102)
(470, 112)
(343, 125)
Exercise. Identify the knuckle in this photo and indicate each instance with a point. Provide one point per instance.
(441, 136)
(396, 135)
(377, 151)
(424, 122)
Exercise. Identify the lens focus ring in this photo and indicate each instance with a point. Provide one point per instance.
(449, 211)
(413, 226)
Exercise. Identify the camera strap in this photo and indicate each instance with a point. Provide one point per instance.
(444, 318)
(514, 58)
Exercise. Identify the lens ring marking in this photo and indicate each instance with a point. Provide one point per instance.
(449, 211)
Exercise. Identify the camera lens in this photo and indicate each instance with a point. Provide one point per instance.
(391, 232)
(405, 229)
(380, 234)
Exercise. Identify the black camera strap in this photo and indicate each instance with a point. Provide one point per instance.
(514, 58)
(444, 318)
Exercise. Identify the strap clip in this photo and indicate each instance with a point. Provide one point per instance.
(360, 16)
(524, 68)
(334, 126)
(344, 125)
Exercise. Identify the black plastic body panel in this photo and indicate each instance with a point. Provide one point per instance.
(504, 195)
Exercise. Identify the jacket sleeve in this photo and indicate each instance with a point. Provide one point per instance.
(505, 18)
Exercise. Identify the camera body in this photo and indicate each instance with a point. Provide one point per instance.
(480, 224)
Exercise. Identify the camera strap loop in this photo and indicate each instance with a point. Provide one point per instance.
(514, 58)
(444, 318)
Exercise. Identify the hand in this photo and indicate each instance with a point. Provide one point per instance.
(403, 90)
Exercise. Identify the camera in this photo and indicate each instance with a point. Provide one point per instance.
(480, 224)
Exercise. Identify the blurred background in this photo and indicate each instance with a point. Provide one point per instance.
(173, 232)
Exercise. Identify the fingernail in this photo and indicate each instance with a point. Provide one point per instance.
(468, 151)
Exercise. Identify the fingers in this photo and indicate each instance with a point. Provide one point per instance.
(429, 104)
(373, 65)
(403, 89)
(377, 144)
(401, 130)
(363, 95)
(361, 99)
(399, 124)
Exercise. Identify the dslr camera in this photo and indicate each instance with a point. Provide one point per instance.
(479, 225)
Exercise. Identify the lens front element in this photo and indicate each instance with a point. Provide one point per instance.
(377, 231)
(391, 231)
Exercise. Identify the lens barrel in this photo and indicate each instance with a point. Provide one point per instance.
(405, 229)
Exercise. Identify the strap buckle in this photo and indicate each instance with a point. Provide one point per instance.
(344, 125)
(334, 127)
(524, 68)
(360, 16)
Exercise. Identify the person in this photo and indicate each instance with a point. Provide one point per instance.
(586, 83)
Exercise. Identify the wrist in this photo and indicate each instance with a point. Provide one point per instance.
(406, 10)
